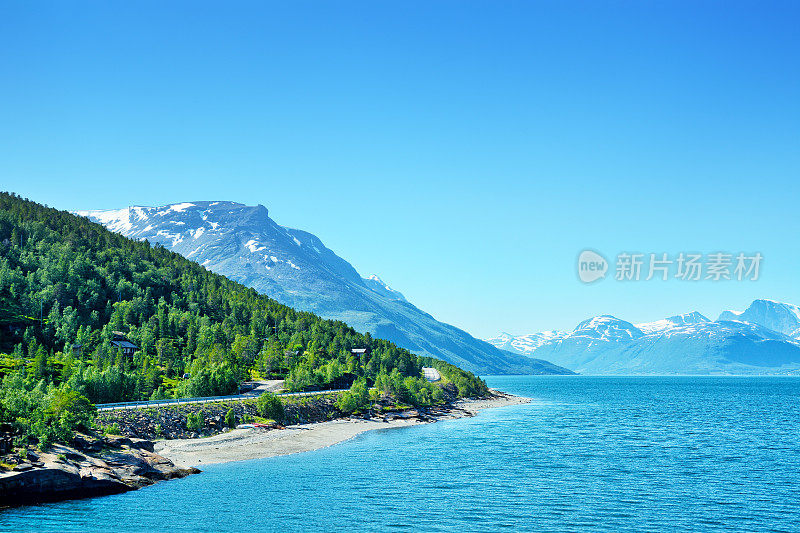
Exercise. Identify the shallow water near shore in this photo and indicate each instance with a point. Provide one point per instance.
(589, 453)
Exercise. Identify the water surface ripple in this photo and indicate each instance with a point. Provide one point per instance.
(589, 454)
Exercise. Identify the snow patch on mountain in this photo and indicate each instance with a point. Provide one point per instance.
(117, 220)
(378, 285)
(526, 344)
(181, 207)
(671, 322)
(606, 328)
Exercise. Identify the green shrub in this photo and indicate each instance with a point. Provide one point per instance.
(356, 399)
(270, 406)
(112, 429)
(195, 421)
(230, 419)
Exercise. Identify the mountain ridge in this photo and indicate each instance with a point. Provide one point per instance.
(737, 343)
(294, 267)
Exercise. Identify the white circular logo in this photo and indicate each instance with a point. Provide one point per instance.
(591, 266)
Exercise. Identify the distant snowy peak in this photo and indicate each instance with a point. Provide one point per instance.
(376, 284)
(672, 322)
(607, 327)
(503, 341)
(763, 339)
(777, 316)
(689, 318)
(525, 344)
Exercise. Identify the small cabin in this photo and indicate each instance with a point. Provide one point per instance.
(120, 342)
(360, 352)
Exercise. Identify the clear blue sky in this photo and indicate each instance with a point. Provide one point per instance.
(464, 151)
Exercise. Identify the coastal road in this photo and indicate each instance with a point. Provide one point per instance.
(213, 399)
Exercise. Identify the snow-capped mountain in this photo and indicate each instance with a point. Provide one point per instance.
(672, 322)
(294, 267)
(682, 344)
(777, 316)
(525, 343)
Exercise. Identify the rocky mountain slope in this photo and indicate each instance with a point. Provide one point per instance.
(294, 267)
(751, 342)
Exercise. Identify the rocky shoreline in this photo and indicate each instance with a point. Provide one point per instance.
(90, 467)
(97, 466)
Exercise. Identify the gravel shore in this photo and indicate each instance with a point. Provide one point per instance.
(256, 443)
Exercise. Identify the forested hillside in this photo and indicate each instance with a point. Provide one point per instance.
(67, 284)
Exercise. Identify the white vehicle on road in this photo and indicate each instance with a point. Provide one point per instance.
(431, 374)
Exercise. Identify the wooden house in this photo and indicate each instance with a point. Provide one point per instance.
(120, 342)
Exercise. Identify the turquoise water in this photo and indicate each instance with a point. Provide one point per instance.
(600, 454)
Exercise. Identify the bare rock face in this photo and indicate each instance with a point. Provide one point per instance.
(91, 467)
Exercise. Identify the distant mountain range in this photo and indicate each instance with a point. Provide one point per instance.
(295, 268)
(763, 339)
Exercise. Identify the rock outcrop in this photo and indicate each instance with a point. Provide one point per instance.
(90, 467)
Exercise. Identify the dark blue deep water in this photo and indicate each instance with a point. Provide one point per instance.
(589, 454)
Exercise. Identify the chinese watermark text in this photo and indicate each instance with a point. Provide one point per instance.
(683, 266)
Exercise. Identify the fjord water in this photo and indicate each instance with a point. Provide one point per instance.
(590, 453)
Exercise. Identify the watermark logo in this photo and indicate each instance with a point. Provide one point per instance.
(684, 266)
(591, 266)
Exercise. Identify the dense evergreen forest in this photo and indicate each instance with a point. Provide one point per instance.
(69, 287)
